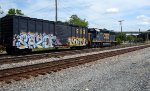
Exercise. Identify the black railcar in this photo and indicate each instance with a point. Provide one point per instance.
(71, 35)
(22, 34)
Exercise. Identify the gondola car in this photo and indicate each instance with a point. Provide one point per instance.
(22, 34)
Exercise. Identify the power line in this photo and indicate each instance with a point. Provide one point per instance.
(35, 11)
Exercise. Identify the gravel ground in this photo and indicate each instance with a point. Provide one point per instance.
(126, 72)
(31, 62)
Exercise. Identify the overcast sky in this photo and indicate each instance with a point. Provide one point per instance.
(99, 13)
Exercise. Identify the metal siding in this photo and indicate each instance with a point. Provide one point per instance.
(69, 31)
(7, 30)
(34, 33)
(23, 25)
(63, 33)
(39, 26)
(16, 25)
(73, 31)
(31, 26)
(86, 33)
(52, 28)
(46, 28)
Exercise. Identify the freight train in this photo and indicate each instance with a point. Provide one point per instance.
(20, 34)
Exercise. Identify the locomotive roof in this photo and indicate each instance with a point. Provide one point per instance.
(101, 30)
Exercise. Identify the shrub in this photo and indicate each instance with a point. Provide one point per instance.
(118, 41)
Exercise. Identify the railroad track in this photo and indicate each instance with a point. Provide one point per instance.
(8, 59)
(18, 73)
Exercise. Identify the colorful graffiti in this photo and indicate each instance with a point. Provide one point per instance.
(74, 41)
(34, 40)
(106, 36)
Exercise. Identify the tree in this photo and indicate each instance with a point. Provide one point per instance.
(13, 11)
(118, 41)
(148, 30)
(19, 12)
(74, 19)
(121, 36)
(130, 38)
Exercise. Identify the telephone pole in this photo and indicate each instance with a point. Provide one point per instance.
(56, 10)
(121, 24)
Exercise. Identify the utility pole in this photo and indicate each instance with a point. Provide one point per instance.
(56, 10)
(1, 11)
(139, 30)
(121, 24)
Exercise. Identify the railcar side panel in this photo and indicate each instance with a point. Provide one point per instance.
(63, 33)
(79, 37)
(7, 30)
(33, 33)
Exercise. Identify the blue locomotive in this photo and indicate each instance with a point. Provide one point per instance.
(101, 37)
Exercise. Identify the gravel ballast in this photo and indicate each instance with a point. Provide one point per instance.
(126, 72)
(31, 62)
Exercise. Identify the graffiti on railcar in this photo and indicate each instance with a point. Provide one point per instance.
(74, 41)
(34, 40)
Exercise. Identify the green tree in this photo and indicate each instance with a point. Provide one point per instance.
(19, 12)
(148, 30)
(13, 11)
(118, 41)
(130, 38)
(121, 36)
(74, 19)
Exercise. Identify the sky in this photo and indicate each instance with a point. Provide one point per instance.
(99, 13)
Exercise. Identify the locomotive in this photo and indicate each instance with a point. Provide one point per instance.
(20, 34)
(101, 37)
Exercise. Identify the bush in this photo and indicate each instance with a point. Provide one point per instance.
(118, 41)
